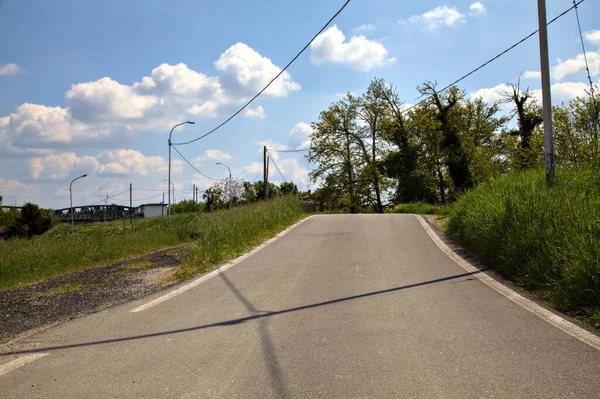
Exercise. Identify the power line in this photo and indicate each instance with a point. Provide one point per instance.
(492, 59)
(272, 80)
(277, 167)
(144, 199)
(193, 167)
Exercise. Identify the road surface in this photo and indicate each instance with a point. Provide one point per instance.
(347, 306)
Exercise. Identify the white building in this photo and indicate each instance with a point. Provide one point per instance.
(153, 210)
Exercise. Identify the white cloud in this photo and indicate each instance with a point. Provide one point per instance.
(359, 52)
(365, 28)
(438, 17)
(593, 37)
(122, 162)
(564, 92)
(291, 169)
(253, 168)
(575, 65)
(105, 113)
(532, 75)
(258, 112)
(246, 72)
(492, 94)
(33, 127)
(477, 8)
(9, 69)
(300, 135)
(107, 100)
(211, 155)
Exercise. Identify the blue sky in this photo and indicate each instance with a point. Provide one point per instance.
(94, 87)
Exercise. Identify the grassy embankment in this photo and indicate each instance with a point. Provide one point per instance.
(421, 208)
(547, 240)
(214, 238)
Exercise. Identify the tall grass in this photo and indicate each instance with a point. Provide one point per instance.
(421, 208)
(546, 239)
(216, 236)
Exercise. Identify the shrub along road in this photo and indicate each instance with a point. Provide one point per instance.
(341, 306)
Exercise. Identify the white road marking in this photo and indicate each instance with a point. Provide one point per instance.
(548, 316)
(21, 361)
(215, 272)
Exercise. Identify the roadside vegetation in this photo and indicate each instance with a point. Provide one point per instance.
(545, 239)
(421, 208)
(213, 238)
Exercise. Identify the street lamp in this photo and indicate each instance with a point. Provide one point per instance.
(105, 203)
(71, 197)
(230, 194)
(170, 144)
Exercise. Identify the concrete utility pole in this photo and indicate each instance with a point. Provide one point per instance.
(546, 93)
(169, 180)
(265, 173)
(130, 203)
(71, 197)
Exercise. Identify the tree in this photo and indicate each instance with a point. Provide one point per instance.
(456, 158)
(213, 199)
(288, 188)
(33, 221)
(335, 150)
(187, 206)
(529, 117)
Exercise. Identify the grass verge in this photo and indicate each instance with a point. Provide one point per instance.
(216, 236)
(545, 239)
(421, 208)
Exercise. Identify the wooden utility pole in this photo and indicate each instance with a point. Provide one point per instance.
(546, 93)
(162, 207)
(265, 173)
(194, 197)
(130, 203)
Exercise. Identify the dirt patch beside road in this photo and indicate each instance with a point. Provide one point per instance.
(47, 303)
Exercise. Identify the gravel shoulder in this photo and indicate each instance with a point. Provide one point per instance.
(38, 306)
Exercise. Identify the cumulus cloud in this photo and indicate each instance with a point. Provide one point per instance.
(246, 72)
(438, 17)
(477, 8)
(300, 135)
(359, 52)
(9, 69)
(593, 37)
(258, 112)
(576, 65)
(123, 162)
(532, 75)
(561, 92)
(107, 100)
(105, 113)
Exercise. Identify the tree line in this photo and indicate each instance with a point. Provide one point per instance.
(371, 150)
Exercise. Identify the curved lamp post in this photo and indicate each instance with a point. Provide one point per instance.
(230, 194)
(170, 144)
(105, 203)
(71, 197)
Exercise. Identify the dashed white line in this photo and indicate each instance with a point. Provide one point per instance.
(21, 361)
(548, 316)
(215, 272)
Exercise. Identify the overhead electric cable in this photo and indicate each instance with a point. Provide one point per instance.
(193, 167)
(492, 59)
(272, 80)
(298, 150)
(277, 167)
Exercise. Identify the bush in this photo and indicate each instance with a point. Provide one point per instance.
(545, 239)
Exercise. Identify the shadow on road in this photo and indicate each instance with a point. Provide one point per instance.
(231, 322)
(266, 344)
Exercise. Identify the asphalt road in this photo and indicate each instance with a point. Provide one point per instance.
(342, 306)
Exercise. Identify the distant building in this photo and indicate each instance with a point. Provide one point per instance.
(152, 210)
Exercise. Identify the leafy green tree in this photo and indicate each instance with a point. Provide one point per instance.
(187, 206)
(288, 188)
(32, 220)
(213, 199)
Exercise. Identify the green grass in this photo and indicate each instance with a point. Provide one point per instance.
(545, 239)
(216, 237)
(421, 208)
(138, 265)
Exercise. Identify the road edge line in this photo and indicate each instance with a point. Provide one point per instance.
(19, 362)
(216, 271)
(546, 315)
